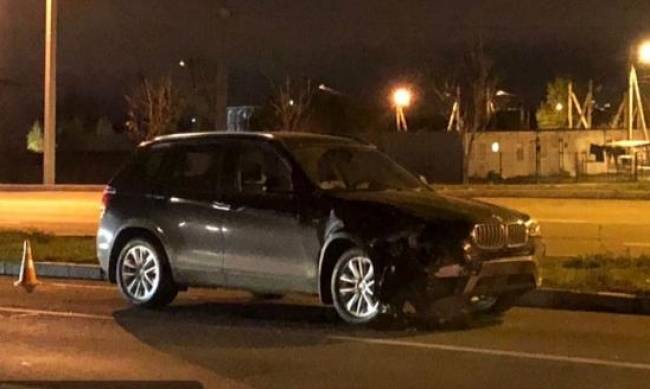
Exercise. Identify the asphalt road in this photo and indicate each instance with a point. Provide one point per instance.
(570, 227)
(84, 332)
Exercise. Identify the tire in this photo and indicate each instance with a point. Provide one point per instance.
(143, 275)
(354, 288)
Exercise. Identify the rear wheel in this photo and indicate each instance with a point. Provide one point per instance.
(143, 275)
(354, 288)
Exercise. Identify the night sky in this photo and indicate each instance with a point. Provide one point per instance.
(357, 46)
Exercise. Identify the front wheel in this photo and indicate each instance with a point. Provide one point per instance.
(144, 276)
(354, 288)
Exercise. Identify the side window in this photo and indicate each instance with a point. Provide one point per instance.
(195, 171)
(260, 170)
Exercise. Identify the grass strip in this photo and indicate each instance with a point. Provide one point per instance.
(47, 248)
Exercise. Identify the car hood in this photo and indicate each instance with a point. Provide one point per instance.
(431, 206)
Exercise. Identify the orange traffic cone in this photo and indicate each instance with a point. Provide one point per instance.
(27, 278)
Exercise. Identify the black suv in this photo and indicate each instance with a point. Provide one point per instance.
(288, 212)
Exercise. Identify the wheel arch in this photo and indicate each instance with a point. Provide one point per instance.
(127, 234)
(332, 250)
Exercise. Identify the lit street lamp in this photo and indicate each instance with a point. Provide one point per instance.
(644, 53)
(49, 114)
(328, 89)
(401, 99)
(496, 148)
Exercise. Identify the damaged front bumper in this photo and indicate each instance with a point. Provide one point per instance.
(488, 280)
(495, 277)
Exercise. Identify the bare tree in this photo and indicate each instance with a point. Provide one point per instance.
(291, 103)
(154, 108)
(476, 92)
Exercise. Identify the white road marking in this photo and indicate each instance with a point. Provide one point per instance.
(73, 285)
(73, 315)
(499, 353)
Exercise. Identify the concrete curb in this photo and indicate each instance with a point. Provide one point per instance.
(57, 270)
(50, 188)
(580, 301)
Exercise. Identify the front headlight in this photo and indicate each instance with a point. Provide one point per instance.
(533, 228)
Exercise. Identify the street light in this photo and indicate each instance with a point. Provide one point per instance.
(49, 108)
(328, 89)
(644, 53)
(401, 99)
(496, 148)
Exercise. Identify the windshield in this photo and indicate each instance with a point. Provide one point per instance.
(353, 168)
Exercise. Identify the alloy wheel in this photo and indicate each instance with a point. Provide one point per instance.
(356, 288)
(140, 273)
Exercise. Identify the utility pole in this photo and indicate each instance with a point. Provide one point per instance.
(49, 137)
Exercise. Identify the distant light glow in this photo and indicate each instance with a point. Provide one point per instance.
(193, 120)
(559, 107)
(292, 103)
(182, 63)
(496, 147)
(402, 97)
(644, 53)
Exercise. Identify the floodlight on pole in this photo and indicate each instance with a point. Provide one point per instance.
(401, 99)
(644, 53)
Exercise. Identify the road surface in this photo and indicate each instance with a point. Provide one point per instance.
(83, 331)
(570, 227)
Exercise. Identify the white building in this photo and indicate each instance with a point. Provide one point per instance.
(561, 152)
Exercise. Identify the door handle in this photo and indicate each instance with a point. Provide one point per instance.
(221, 206)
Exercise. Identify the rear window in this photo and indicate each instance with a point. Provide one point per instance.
(195, 171)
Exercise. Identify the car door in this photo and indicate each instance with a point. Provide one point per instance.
(267, 246)
(191, 217)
